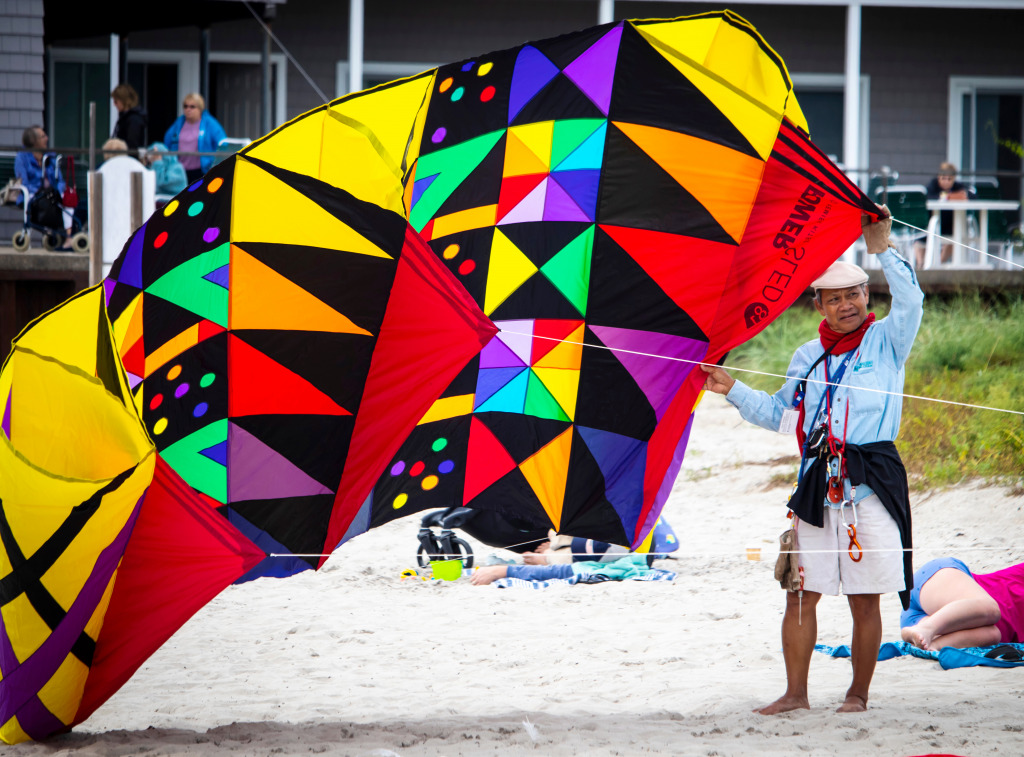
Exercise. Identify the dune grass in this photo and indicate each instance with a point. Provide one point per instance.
(969, 350)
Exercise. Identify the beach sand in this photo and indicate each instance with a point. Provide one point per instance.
(352, 660)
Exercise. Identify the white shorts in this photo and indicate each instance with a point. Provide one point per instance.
(827, 564)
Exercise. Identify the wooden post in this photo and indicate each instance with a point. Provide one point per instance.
(95, 227)
(136, 210)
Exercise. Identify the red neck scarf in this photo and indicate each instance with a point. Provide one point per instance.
(835, 343)
(838, 343)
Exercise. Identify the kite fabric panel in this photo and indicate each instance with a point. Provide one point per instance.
(646, 189)
(484, 285)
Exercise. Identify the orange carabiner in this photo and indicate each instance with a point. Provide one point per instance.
(852, 531)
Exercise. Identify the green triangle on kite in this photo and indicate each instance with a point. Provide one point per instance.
(540, 403)
(186, 287)
(186, 457)
(451, 166)
(569, 269)
(569, 135)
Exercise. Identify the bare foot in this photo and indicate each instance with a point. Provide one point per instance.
(853, 703)
(535, 558)
(920, 636)
(785, 703)
(488, 574)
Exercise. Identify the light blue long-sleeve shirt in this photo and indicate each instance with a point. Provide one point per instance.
(878, 364)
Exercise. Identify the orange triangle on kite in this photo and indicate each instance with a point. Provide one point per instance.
(520, 159)
(486, 460)
(723, 180)
(548, 334)
(261, 298)
(259, 385)
(134, 359)
(564, 354)
(547, 470)
(679, 265)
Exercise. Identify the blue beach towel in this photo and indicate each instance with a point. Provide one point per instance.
(581, 578)
(947, 657)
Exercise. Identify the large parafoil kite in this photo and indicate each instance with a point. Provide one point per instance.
(484, 285)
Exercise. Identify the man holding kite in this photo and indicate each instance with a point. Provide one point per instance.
(851, 510)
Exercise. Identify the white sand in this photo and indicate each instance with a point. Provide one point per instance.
(354, 661)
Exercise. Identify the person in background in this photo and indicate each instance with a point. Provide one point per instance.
(170, 175)
(36, 166)
(952, 607)
(943, 187)
(132, 121)
(194, 130)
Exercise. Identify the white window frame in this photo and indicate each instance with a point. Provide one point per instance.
(969, 85)
(392, 70)
(188, 72)
(837, 82)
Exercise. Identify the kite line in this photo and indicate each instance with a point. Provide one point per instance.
(285, 51)
(960, 244)
(763, 373)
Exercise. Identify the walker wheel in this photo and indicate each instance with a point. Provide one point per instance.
(21, 241)
(80, 242)
(51, 241)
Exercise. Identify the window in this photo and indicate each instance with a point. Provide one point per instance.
(821, 99)
(985, 114)
(375, 73)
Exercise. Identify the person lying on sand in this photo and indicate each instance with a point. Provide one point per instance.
(951, 607)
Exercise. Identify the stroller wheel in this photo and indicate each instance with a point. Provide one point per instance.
(51, 241)
(459, 547)
(20, 241)
(80, 242)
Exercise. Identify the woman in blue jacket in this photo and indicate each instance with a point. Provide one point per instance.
(194, 130)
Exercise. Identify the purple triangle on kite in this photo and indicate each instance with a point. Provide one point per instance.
(218, 453)
(594, 70)
(6, 424)
(497, 354)
(532, 72)
(622, 461)
(518, 336)
(490, 380)
(108, 290)
(131, 266)
(559, 206)
(255, 471)
(659, 379)
(420, 186)
(133, 380)
(221, 276)
(582, 187)
(530, 208)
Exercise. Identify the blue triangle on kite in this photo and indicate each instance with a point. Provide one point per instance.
(511, 398)
(220, 276)
(622, 461)
(131, 266)
(533, 71)
(491, 380)
(582, 187)
(218, 453)
(420, 186)
(588, 155)
(361, 522)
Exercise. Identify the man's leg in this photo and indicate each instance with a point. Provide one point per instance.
(867, 638)
(799, 633)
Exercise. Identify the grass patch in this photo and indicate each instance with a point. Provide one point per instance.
(969, 350)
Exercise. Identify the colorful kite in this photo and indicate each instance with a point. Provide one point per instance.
(645, 188)
(231, 402)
